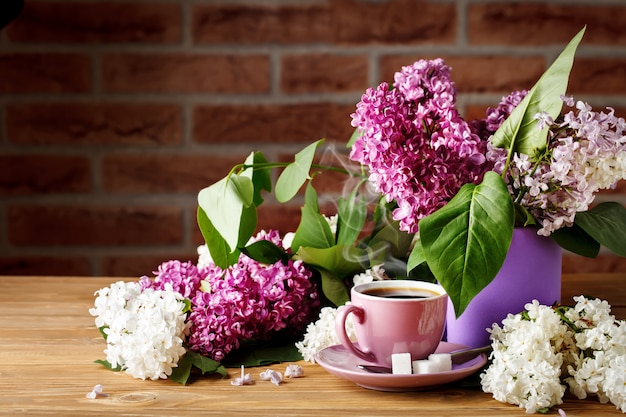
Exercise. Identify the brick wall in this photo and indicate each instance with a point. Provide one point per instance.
(113, 114)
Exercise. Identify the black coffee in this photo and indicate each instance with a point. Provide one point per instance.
(400, 293)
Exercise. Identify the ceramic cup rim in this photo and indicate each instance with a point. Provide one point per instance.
(429, 286)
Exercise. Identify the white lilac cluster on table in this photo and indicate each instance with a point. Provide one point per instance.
(539, 353)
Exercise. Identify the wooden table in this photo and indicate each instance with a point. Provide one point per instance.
(48, 342)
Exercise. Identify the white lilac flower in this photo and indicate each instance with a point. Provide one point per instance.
(205, 259)
(544, 119)
(615, 382)
(376, 273)
(110, 300)
(540, 351)
(525, 367)
(322, 334)
(332, 222)
(144, 329)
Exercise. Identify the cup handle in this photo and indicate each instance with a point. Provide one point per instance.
(340, 328)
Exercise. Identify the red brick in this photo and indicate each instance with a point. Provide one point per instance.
(479, 74)
(394, 21)
(96, 22)
(94, 123)
(164, 173)
(90, 225)
(45, 265)
(598, 76)
(44, 72)
(317, 73)
(272, 123)
(282, 217)
(252, 24)
(476, 111)
(539, 23)
(186, 73)
(138, 265)
(42, 174)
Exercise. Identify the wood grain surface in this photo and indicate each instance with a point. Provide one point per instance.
(48, 342)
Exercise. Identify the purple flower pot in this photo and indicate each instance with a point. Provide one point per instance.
(531, 270)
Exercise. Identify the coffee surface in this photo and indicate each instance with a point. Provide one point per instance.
(400, 293)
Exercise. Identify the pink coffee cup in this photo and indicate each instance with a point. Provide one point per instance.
(394, 316)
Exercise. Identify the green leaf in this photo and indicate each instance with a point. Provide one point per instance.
(520, 132)
(295, 174)
(182, 372)
(265, 252)
(261, 177)
(220, 252)
(334, 288)
(187, 303)
(576, 240)
(192, 359)
(313, 229)
(352, 212)
(606, 223)
(102, 333)
(416, 257)
(224, 203)
(263, 354)
(205, 364)
(523, 218)
(466, 241)
(399, 241)
(342, 261)
(354, 137)
(107, 365)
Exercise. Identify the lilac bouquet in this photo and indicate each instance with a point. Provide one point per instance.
(463, 186)
(194, 316)
(448, 192)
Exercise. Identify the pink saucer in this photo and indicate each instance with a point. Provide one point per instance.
(339, 362)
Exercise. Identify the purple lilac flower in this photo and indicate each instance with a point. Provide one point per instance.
(250, 301)
(418, 148)
(586, 152)
(184, 277)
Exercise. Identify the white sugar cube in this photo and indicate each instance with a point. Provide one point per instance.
(444, 361)
(437, 362)
(424, 366)
(401, 364)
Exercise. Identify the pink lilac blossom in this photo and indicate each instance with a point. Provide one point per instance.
(250, 301)
(184, 277)
(586, 152)
(418, 148)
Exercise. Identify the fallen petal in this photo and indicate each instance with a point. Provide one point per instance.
(96, 391)
(294, 371)
(269, 375)
(276, 378)
(245, 379)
